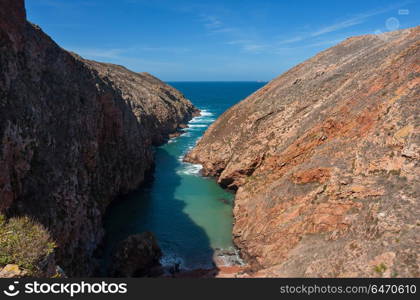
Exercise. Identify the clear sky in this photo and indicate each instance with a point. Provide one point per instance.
(192, 40)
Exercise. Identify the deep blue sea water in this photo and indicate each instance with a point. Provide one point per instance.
(190, 215)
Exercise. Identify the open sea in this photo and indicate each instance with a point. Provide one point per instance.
(190, 215)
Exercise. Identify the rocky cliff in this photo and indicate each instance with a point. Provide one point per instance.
(325, 163)
(73, 135)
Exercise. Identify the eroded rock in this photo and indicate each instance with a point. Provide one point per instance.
(137, 256)
(325, 162)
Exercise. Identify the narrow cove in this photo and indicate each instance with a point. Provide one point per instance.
(190, 215)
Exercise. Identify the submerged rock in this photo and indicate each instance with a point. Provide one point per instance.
(224, 201)
(325, 161)
(137, 256)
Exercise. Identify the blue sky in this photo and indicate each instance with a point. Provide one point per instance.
(186, 40)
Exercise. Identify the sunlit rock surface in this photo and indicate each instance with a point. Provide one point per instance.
(325, 161)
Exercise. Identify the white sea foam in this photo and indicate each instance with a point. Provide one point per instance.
(198, 125)
(206, 113)
(190, 169)
(186, 134)
(202, 121)
(205, 120)
(205, 117)
(169, 260)
(192, 129)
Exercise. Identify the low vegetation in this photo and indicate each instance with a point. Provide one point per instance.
(380, 269)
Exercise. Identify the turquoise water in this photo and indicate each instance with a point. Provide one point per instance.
(190, 215)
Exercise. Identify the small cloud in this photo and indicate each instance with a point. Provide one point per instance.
(222, 30)
(211, 22)
(356, 20)
(290, 41)
(98, 53)
(315, 44)
(119, 53)
(238, 42)
(254, 48)
(214, 25)
(339, 26)
(324, 43)
(162, 49)
(123, 57)
(249, 45)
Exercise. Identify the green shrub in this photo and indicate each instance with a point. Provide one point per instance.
(380, 269)
(23, 242)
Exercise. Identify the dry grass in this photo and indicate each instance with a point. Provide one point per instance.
(24, 242)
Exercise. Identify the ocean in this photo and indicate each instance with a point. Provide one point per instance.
(190, 215)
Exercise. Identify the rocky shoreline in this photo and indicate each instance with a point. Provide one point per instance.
(227, 264)
(324, 161)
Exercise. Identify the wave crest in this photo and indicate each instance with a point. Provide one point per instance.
(190, 169)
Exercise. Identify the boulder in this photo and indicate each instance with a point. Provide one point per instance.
(137, 256)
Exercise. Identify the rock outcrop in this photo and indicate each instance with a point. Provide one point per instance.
(137, 256)
(325, 162)
(74, 134)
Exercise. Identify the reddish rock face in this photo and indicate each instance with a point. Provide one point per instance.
(73, 134)
(325, 161)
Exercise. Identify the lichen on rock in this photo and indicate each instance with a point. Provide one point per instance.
(325, 163)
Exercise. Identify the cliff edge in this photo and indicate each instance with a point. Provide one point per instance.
(74, 134)
(325, 163)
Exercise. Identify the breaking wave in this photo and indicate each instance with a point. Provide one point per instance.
(198, 125)
(205, 117)
(190, 169)
(169, 260)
